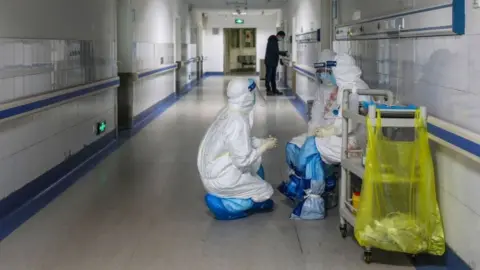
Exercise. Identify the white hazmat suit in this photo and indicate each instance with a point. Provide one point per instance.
(329, 141)
(229, 157)
(318, 107)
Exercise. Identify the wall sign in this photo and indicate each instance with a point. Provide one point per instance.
(101, 127)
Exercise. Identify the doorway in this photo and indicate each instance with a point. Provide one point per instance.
(240, 51)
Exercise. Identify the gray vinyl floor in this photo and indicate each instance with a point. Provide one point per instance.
(142, 208)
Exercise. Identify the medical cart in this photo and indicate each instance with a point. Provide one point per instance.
(392, 120)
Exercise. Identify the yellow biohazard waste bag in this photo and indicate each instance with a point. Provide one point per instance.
(398, 207)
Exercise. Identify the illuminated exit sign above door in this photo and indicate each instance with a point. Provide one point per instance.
(239, 21)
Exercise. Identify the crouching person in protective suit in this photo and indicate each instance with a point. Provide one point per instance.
(229, 158)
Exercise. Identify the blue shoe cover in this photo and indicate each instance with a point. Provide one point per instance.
(228, 209)
(265, 206)
(232, 209)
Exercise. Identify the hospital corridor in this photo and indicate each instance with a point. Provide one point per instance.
(239, 135)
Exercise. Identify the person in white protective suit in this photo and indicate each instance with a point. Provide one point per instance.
(346, 75)
(311, 157)
(229, 158)
(317, 114)
(329, 138)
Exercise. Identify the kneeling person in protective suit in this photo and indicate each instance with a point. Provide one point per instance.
(229, 158)
(312, 156)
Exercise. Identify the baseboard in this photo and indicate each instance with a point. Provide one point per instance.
(145, 117)
(299, 105)
(22, 204)
(449, 261)
(207, 74)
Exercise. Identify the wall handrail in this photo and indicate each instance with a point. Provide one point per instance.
(155, 71)
(33, 104)
(306, 71)
(397, 14)
(191, 60)
(455, 138)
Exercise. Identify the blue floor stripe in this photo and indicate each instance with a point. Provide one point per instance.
(33, 197)
(297, 103)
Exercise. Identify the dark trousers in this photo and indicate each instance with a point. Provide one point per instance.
(271, 78)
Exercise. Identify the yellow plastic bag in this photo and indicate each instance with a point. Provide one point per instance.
(398, 207)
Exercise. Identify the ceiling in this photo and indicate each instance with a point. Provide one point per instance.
(237, 4)
(249, 12)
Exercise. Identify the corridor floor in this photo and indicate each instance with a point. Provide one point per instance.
(142, 208)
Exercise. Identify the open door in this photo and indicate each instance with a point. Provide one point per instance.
(240, 51)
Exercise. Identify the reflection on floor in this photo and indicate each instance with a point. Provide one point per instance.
(142, 208)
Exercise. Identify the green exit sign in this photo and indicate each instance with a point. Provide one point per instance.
(239, 21)
(101, 127)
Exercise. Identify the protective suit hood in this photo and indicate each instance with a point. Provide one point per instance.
(327, 55)
(239, 96)
(347, 73)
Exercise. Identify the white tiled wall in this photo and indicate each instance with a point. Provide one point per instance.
(441, 73)
(149, 91)
(153, 47)
(152, 55)
(33, 144)
(307, 18)
(71, 43)
(35, 66)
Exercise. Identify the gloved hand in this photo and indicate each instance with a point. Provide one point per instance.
(327, 131)
(312, 131)
(269, 143)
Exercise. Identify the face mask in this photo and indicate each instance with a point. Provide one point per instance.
(328, 78)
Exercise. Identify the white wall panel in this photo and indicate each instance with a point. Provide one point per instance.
(442, 74)
(58, 19)
(213, 51)
(307, 18)
(33, 144)
(48, 46)
(350, 9)
(149, 91)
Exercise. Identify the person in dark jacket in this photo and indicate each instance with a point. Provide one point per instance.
(272, 57)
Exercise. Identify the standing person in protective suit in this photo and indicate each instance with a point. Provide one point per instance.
(229, 158)
(272, 57)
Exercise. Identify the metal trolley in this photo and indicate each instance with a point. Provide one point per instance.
(351, 164)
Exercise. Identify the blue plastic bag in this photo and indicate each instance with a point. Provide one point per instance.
(311, 208)
(308, 165)
(295, 188)
(292, 151)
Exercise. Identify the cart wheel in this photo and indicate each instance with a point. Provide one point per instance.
(367, 257)
(343, 230)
